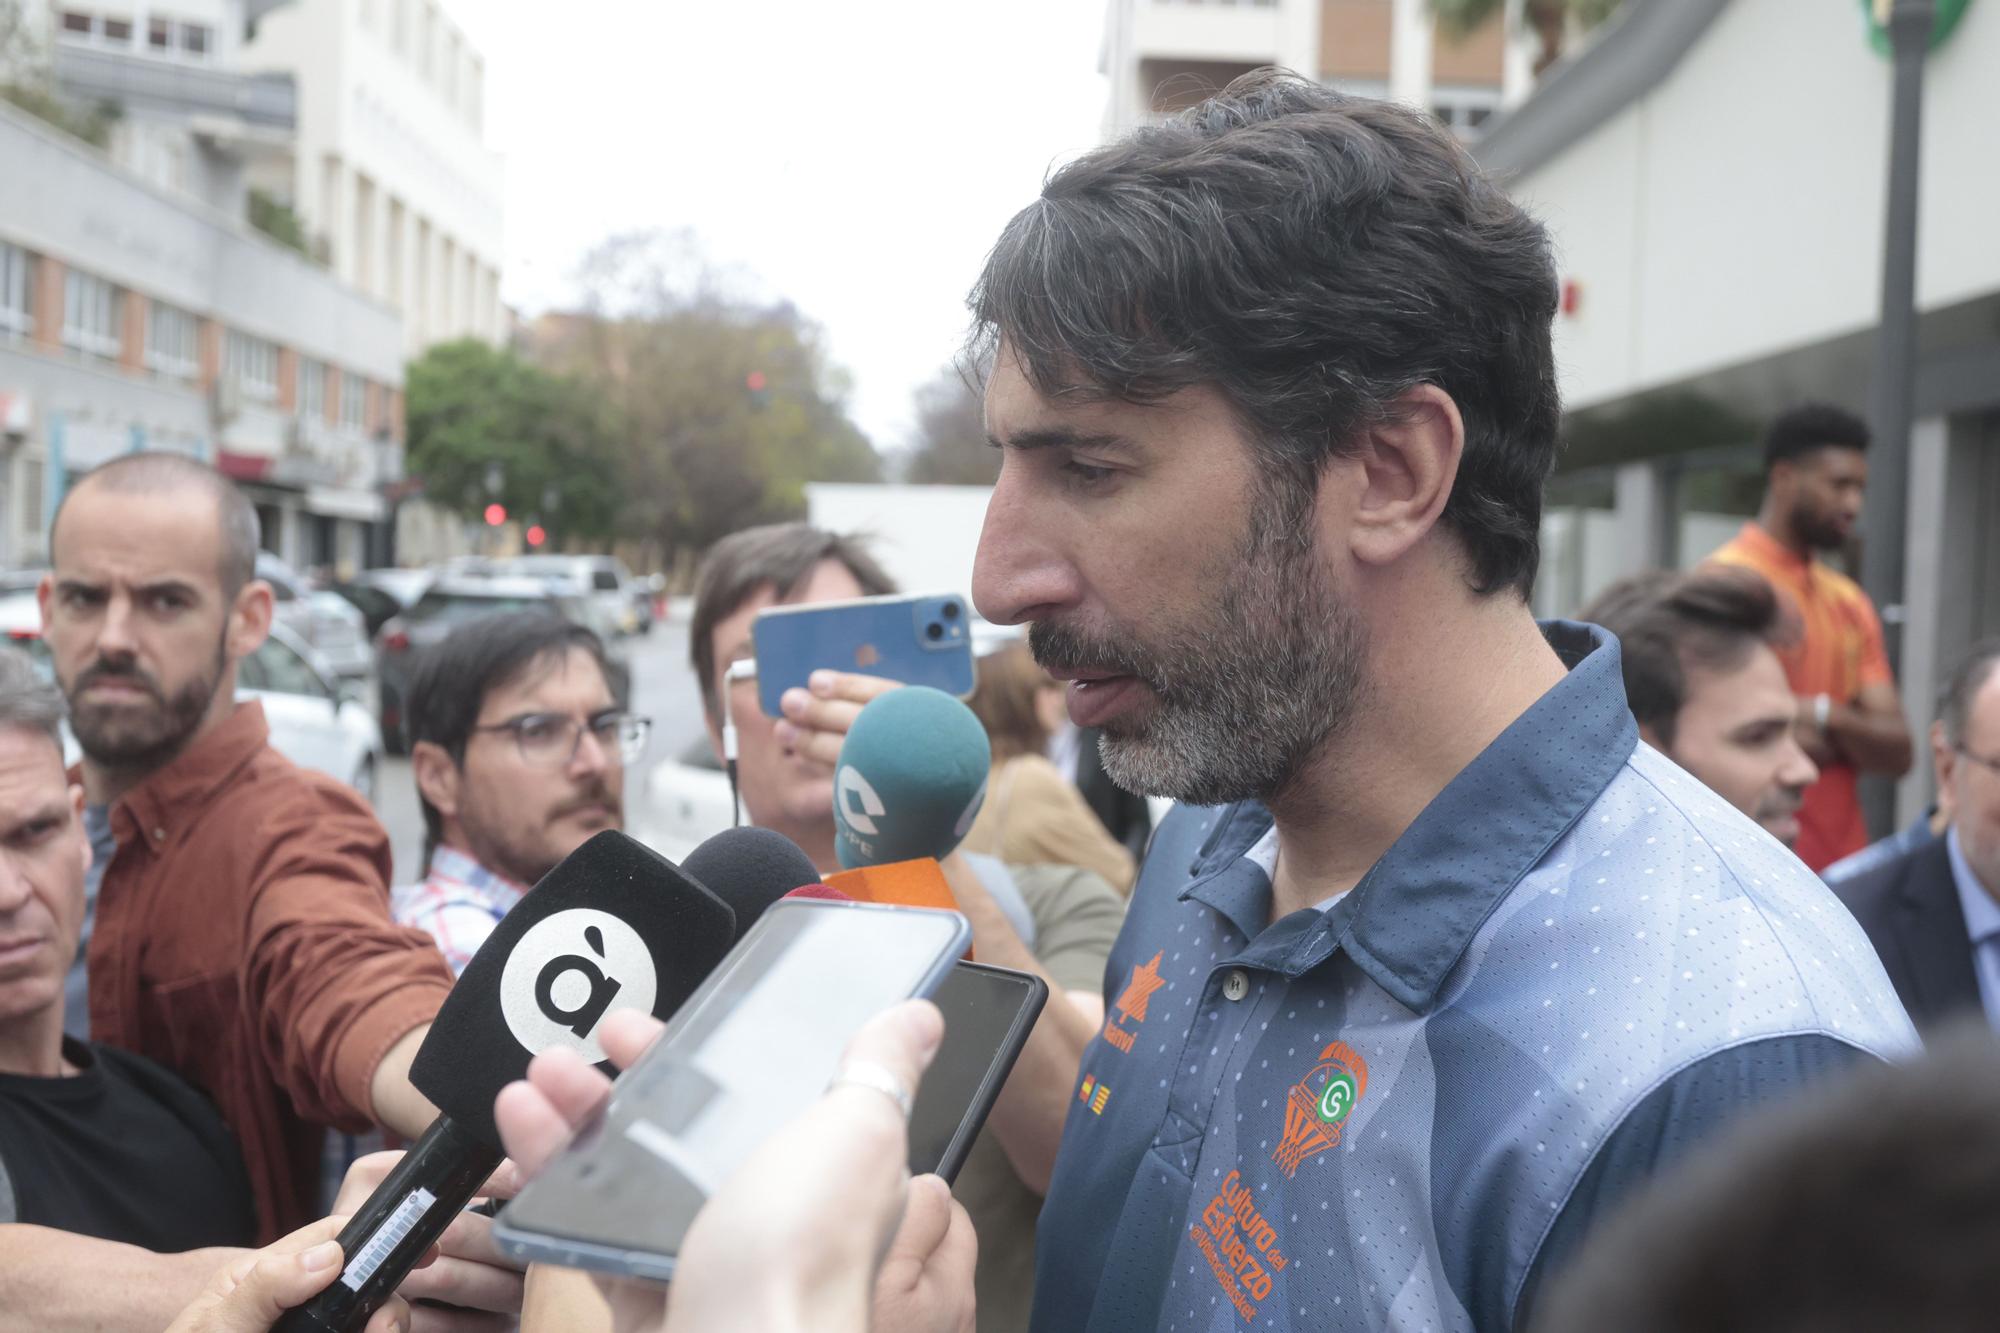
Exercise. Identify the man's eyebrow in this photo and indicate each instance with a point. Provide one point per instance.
(170, 585)
(1059, 437)
(52, 813)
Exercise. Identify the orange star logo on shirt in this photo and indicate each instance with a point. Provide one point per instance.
(1138, 994)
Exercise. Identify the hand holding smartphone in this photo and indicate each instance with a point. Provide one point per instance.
(913, 640)
(758, 1042)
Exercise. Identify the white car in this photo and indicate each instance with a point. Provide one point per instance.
(680, 803)
(313, 723)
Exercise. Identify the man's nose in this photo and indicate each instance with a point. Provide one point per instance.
(14, 887)
(591, 754)
(1798, 771)
(114, 629)
(1018, 574)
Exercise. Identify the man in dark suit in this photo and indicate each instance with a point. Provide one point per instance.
(1933, 913)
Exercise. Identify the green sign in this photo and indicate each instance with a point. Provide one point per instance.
(1945, 17)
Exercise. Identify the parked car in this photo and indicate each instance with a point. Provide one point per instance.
(452, 601)
(380, 594)
(602, 579)
(680, 802)
(314, 722)
(332, 626)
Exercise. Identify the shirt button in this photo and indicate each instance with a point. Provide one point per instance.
(1235, 986)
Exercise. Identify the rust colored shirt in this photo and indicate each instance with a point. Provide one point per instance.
(1839, 652)
(243, 940)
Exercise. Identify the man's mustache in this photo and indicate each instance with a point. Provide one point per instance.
(125, 674)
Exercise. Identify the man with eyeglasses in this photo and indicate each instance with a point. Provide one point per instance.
(1933, 913)
(519, 751)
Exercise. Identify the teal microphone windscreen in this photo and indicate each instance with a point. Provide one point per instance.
(911, 778)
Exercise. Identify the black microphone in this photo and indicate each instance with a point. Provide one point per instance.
(614, 926)
(750, 868)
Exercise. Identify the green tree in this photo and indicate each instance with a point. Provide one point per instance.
(950, 447)
(479, 414)
(1550, 19)
(726, 406)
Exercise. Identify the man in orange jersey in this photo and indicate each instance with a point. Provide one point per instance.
(1849, 722)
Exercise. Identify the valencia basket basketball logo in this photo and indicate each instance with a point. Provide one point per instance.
(1318, 1105)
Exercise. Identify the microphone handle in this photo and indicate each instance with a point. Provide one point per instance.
(403, 1217)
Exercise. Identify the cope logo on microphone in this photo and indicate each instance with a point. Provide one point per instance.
(567, 973)
(857, 800)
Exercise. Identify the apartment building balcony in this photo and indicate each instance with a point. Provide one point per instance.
(258, 105)
(1170, 31)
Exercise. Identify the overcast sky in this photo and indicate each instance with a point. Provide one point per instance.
(857, 158)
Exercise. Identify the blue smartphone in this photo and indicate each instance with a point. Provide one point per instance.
(751, 1049)
(913, 640)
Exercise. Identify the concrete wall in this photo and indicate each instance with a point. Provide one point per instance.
(1736, 210)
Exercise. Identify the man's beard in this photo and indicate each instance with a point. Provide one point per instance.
(141, 741)
(503, 842)
(1245, 696)
(1818, 532)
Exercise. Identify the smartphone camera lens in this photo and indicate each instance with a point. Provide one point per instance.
(951, 610)
(934, 631)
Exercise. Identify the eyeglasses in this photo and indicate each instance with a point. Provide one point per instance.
(551, 740)
(1992, 765)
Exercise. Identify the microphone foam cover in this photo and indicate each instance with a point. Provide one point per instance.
(749, 869)
(613, 926)
(911, 778)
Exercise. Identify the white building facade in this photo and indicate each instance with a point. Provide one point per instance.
(389, 164)
(1714, 175)
(134, 317)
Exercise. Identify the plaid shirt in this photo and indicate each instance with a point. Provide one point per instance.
(458, 904)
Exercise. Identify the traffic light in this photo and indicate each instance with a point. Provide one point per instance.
(536, 535)
(496, 514)
(759, 387)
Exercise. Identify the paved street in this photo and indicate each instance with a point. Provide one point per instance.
(662, 688)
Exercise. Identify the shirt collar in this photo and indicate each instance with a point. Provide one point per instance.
(1982, 914)
(449, 863)
(1413, 915)
(188, 783)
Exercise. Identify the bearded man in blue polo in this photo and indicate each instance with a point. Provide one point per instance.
(1436, 962)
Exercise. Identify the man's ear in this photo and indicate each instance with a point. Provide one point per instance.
(249, 619)
(437, 777)
(1944, 761)
(1405, 469)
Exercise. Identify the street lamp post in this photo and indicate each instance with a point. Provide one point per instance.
(1892, 392)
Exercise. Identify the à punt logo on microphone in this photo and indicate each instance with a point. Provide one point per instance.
(567, 973)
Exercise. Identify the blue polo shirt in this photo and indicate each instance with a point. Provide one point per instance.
(1402, 1111)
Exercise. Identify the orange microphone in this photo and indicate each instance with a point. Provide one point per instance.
(918, 883)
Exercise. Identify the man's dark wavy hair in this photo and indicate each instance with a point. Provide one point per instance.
(1312, 256)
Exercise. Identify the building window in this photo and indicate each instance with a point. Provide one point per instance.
(353, 402)
(160, 34)
(196, 39)
(17, 292)
(93, 315)
(1464, 110)
(312, 389)
(118, 31)
(252, 365)
(173, 342)
(82, 25)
